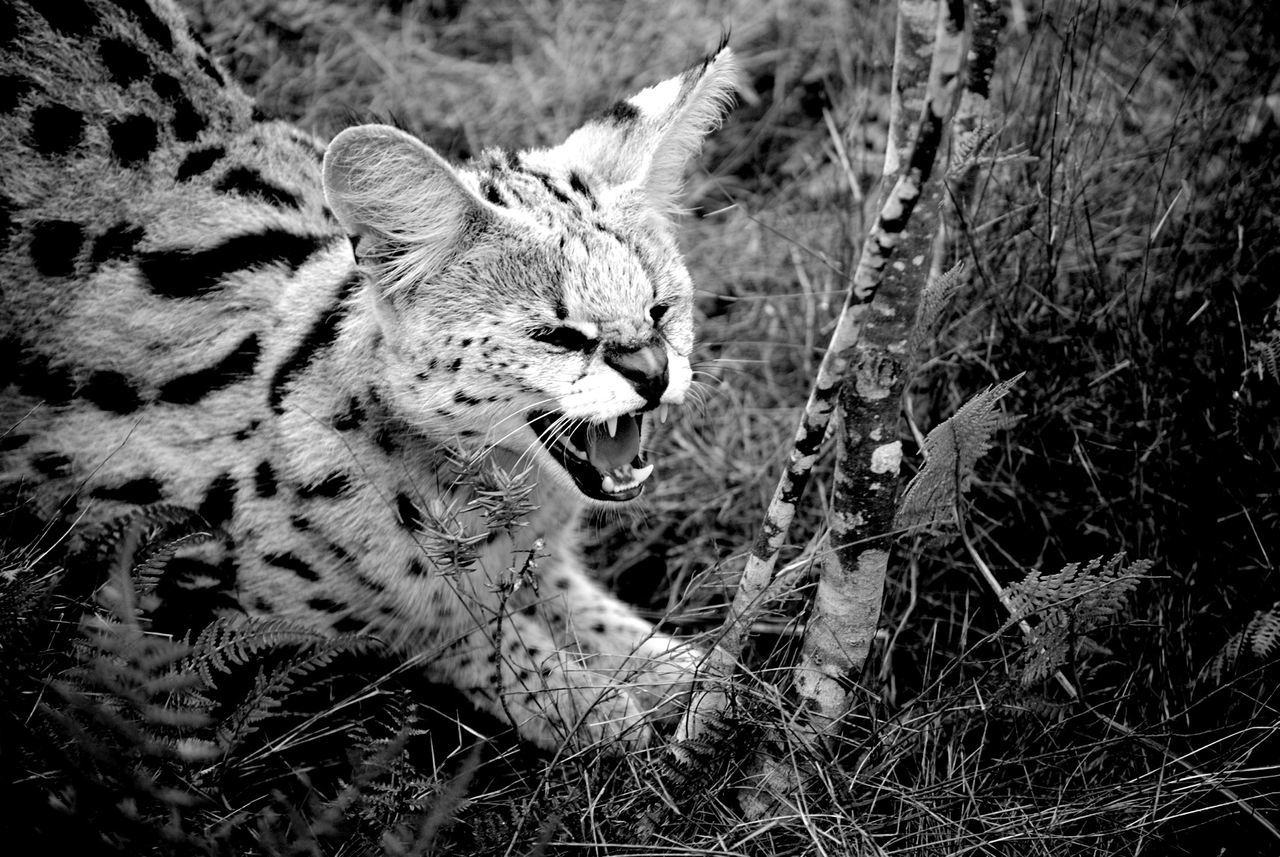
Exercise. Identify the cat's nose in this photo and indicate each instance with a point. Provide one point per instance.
(645, 367)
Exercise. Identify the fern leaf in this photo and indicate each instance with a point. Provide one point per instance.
(951, 451)
(1267, 354)
(1264, 634)
(1258, 641)
(973, 147)
(1068, 605)
(934, 298)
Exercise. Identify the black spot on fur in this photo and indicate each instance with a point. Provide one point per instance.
(332, 485)
(456, 364)
(52, 465)
(111, 391)
(198, 162)
(264, 480)
(211, 70)
(321, 335)
(138, 491)
(247, 182)
(408, 515)
(37, 379)
(55, 129)
(118, 242)
(621, 112)
(463, 399)
(291, 563)
(219, 501)
(551, 187)
(6, 222)
(192, 592)
(490, 192)
(8, 22)
(348, 625)
(125, 63)
(580, 187)
(365, 581)
(247, 432)
(12, 90)
(189, 389)
(416, 568)
(191, 273)
(257, 114)
(562, 583)
(386, 441)
(68, 17)
(54, 247)
(154, 28)
(598, 628)
(301, 523)
(325, 605)
(12, 440)
(167, 86)
(133, 138)
(351, 418)
(187, 121)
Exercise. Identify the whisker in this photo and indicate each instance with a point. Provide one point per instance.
(490, 446)
(542, 438)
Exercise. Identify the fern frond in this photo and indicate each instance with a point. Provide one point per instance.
(1068, 605)
(936, 296)
(973, 147)
(284, 653)
(1267, 356)
(951, 451)
(232, 641)
(1259, 641)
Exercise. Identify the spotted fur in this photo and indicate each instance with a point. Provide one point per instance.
(341, 357)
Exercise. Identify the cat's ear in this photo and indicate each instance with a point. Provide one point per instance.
(391, 190)
(649, 138)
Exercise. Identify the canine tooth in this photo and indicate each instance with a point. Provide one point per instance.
(642, 473)
(608, 485)
(662, 413)
(612, 425)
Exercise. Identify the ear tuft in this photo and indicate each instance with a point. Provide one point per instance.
(405, 202)
(650, 137)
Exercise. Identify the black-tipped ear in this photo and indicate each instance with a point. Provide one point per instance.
(649, 138)
(394, 192)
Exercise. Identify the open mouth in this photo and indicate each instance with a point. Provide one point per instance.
(603, 459)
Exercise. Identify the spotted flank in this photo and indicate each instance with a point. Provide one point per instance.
(332, 353)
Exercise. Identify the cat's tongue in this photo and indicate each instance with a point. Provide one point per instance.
(608, 454)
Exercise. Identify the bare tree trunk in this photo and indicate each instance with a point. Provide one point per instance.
(972, 133)
(846, 608)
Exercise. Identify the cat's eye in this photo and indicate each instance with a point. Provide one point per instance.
(658, 312)
(568, 338)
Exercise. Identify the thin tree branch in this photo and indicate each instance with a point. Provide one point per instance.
(846, 607)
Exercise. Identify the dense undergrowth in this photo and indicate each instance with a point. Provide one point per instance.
(1123, 255)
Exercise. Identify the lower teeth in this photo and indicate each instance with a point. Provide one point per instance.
(611, 486)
